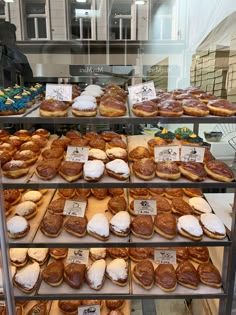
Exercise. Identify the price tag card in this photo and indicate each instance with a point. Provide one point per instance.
(89, 310)
(145, 206)
(166, 153)
(77, 154)
(141, 92)
(165, 256)
(75, 208)
(192, 154)
(78, 256)
(60, 92)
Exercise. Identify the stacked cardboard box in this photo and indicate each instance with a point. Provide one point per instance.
(159, 75)
(231, 77)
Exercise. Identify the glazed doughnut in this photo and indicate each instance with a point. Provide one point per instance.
(145, 109)
(170, 108)
(219, 171)
(53, 108)
(194, 107)
(112, 108)
(221, 107)
(193, 171)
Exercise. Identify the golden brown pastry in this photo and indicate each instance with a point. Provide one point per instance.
(27, 156)
(76, 226)
(170, 108)
(4, 135)
(40, 141)
(116, 191)
(142, 226)
(118, 253)
(171, 193)
(193, 171)
(15, 169)
(138, 254)
(138, 153)
(114, 304)
(60, 143)
(221, 107)
(145, 109)
(117, 204)
(168, 170)
(181, 207)
(193, 192)
(12, 196)
(152, 143)
(143, 274)
(165, 224)
(163, 205)
(42, 133)
(112, 108)
(57, 206)
(144, 168)
(139, 193)
(47, 169)
(52, 274)
(209, 275)
(165, 277)
(30, 145)
(56, 153)
(69, 307)
(71, 171)
(156, 191)
(187, 275)
(83, 192)
(99, 193)
(181, 254)
(23, 134)
(116, 143)
(58, 253)
(108, 135)
(194, 107)
(67, 193)
(4, 157)
(199, 254)
(98, 143)
(51, 225)
(52, 108)
(74, 275)
(219, 171)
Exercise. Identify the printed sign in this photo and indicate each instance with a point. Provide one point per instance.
(89, 310)
(192, 154)
(75, 208)
(166, 153)
(145, 206)
(78, 256)
(60, 92)
(141, 92)
(77, 154)
(165, 256)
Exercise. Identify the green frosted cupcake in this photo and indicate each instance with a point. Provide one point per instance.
(182, 132)
(165, 134)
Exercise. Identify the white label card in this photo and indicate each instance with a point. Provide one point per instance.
(78, 256)
(145, 206)
(75, 208)
(77, 154)
(60, 92)
(89, 310)
(141, 92)
(164, 256)
(166, 153)
(192, 154)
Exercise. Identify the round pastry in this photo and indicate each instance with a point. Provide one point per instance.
(51, 225)
(56, 153)
(145, 109)
(168, 170)
(17, 227)
(98, 143)
(99, 193)
(97, 154)
(97, 253)
(118, 253)
(138, 254)
(165, 277)
(144, 168)
(143, 274)
(218, 170)
(114, 304)
(209, 275)
(170, 108)
(84, 108)
(26, 209)
(71, 171)
(27, 156)
(112, 108)
(162, 204)
(181, 207)
(187, 275)
(93, 170)
(23, 134)
(18, 256)
(12, 196)
(194, 107)
(152, 143)
(76, 226)
(165, 224)
(60, 143)
(26, 278)
(116, 143)
(221, 107)
(39, 255)
(193, 171)
(47, 169)
(199, 205)
(116, 191)
(40, 141)
(52, 108)
(120, 224)
(117, 272)
(85, 98)
(116, 204)
(142, 226)
(67, 193)
(206, 97)
(192, 139)
(58, 253)
(171, 193)
(33, 195)
(15, 169)
(189, 226)
(138, 153)
(139, 193)
(30, 145)
(74, 275)
(193, 192)
(165, 134)
(117, 153)
(199, 254)
(42, 133)
(4, 135)
(95, 274)
(109, 135)
(83, 192)
(73, 134)
(182, 132)
(69, 307)
(118, 169)
(156, 191)
(91, 135)
(4, 157)
(98, 227)
(212, 226)
(53, 273)
(181, 254)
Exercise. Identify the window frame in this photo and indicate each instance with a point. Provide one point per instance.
(6, 16)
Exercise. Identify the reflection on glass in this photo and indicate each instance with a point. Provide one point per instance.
(34, 8)
(42, 32)
(81, 20)
(30, 28)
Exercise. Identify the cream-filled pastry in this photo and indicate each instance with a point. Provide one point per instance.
(18, 256)
(27, 209)
(117, 271)
(117, 153)
(84, 108)
(118, 169)
(17, 227)
(33, 195)
(95, 274)
(189, 226)
(26, 278)
(212, 226)
(97, 154)
(38, 255)
(98, 227)
(199, 205)
(97, 253)
(120, 224)
(93, 170)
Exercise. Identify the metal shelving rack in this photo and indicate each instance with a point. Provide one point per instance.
(229, 260)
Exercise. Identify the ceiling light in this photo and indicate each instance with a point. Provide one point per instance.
(139, 2)
(81, 1)
(8, 0)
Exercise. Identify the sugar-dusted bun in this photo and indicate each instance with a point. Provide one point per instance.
(120, 224)
(29, 157)
(144, 168)
(143, 274)
(221, 107)
(212, 226)
(17, 227)
(187, 275)
(165, 277)
(84, 108)
(89, 98)
(189, 226)
(95, 274)
(15, 169)
(33, 195)
(219, 171)
(27, 209)
(199, 205)
(165, 224)
(53, 108)
(117, 272)
(118, 169)
(97, 253)
(98, 227)
(26, 278)
(93, 170)
(145, 109)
